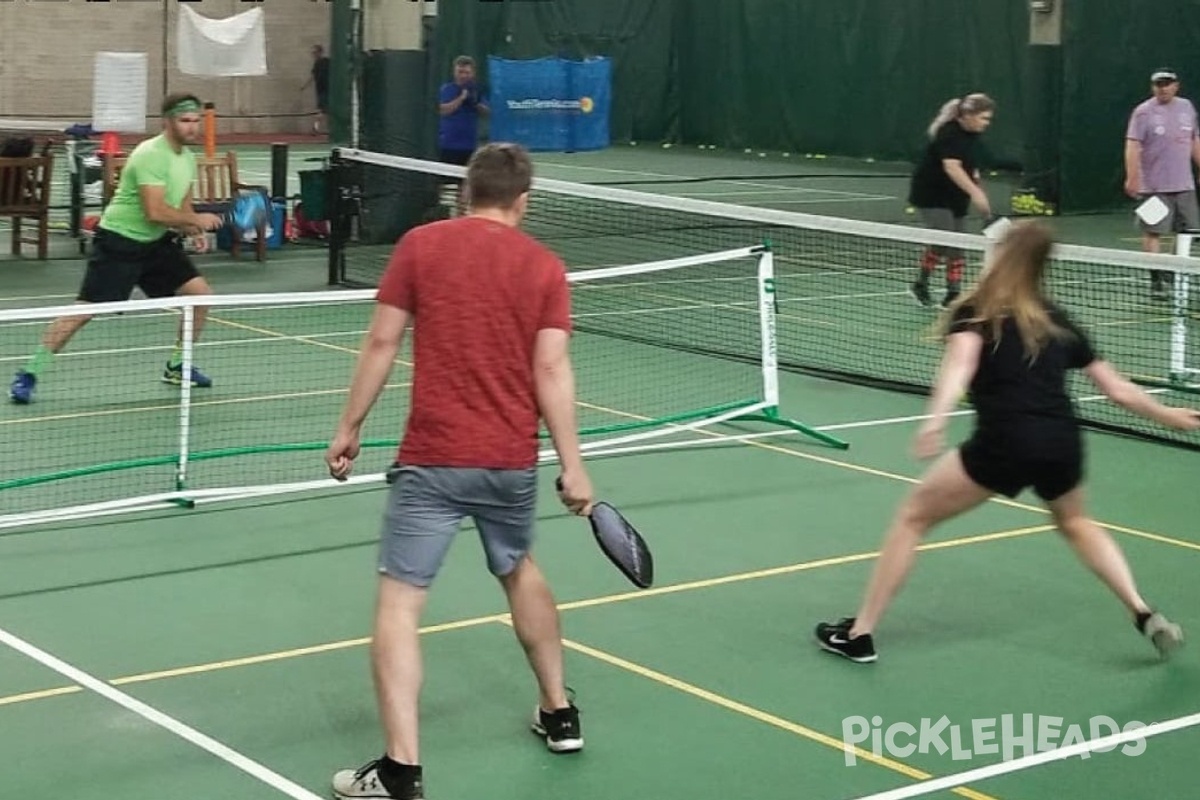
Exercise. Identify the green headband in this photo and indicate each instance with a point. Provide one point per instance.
(183, 107)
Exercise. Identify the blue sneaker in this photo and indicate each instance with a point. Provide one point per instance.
(174, 374)
(20, 391)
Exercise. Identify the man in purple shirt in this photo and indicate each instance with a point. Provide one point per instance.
(460, 104)
(1161, 143)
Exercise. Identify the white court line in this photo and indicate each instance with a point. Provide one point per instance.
(36, 297)
(863, 198)
(788, 189)
(702, 440)
(879, 423)
(872, 423)
(151, 714)
(1025, 762)
(689, 178)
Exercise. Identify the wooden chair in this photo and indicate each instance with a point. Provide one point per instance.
(25, 195)
(215, 189)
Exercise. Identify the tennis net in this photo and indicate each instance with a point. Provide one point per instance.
(844, 309)
(105, 435)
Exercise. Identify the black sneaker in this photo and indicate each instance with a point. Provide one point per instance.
(952, 294)
(835, 637)
(920, 290)
(1166, 635)
(1162, 284)
(560, 729)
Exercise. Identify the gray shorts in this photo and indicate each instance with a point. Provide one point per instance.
(1183, 213)
(426, 506)
(943, 219)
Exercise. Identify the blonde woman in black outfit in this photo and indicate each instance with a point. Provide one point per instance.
(946, 184)
(1013, 347)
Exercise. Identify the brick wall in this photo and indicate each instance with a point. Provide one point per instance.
(47, 50)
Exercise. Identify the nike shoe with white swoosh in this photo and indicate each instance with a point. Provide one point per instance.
(835, 637)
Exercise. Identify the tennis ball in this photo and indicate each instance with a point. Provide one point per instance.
(910, 210)
(666, 145)
(762, 155)
(819, 155)
(633, 144)
(993, 174)
(870, 161)
(787, 155)
(748, 150)
(808, 155)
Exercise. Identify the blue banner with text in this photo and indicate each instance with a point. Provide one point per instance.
(551, 104)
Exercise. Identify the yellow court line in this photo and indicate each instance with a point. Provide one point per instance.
(42, 695)
(280, 335)
(266, 658)
(771, 572)
(754, 713)
(248, 661)
(833, 462)
(567, 606)
(1004, 501)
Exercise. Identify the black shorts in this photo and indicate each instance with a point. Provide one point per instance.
(459, 157)
(1051, 473)
(117, 264)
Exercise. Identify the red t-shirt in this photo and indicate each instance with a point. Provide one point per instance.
(479, 291)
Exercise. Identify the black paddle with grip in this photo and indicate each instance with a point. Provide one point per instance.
(621, 542)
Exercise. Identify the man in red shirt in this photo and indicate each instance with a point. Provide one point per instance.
(491, 315)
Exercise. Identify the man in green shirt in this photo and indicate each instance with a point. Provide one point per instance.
(137, 242)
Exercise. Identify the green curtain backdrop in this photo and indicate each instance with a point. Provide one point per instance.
(857, 78)
(1111, 48)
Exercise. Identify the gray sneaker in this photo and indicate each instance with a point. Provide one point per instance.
(1166, 635)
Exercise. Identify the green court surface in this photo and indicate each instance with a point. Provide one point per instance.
(247, 623)
(242, 628)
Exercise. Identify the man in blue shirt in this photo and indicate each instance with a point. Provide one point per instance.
(460, 104)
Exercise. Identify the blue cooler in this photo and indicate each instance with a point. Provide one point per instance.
(274, 230)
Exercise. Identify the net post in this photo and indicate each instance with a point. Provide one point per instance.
(768, 306)
(185, 399)
(1179, 312)
(279, 172)
(768, 302)
(336, 217)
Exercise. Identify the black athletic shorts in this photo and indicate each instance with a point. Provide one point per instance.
(1051, 472)
(118, 263)
(459, 157)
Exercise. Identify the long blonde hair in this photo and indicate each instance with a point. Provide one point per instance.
(1011, 288)
(975, 103)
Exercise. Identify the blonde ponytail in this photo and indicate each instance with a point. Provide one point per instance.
(975, 103)
(948, 112)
